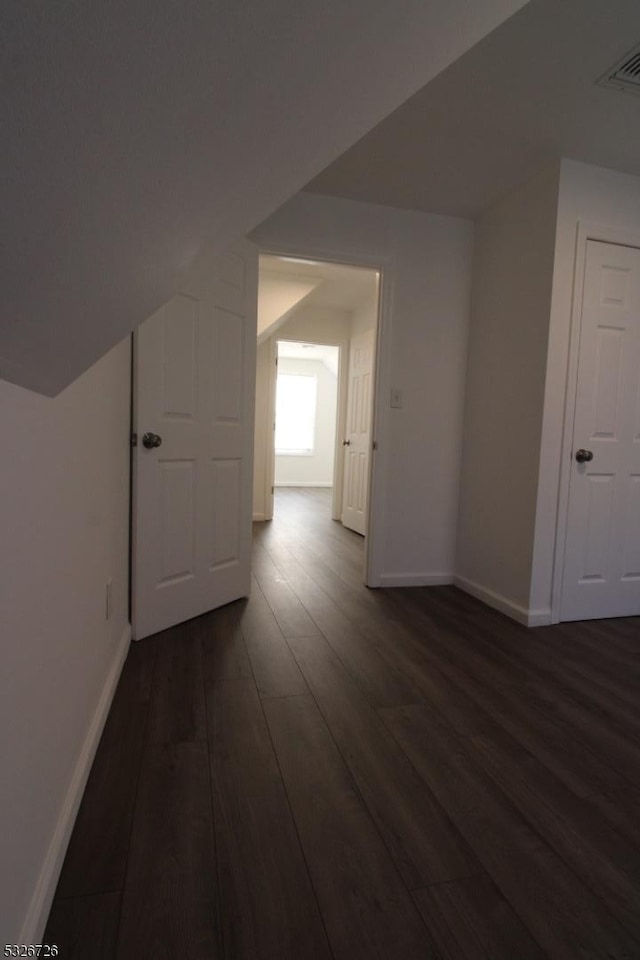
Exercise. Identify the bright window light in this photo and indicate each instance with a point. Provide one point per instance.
(295, 414)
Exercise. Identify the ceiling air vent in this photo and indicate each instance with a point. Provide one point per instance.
(624, 75)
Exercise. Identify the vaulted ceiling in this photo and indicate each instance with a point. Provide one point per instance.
(137, 133)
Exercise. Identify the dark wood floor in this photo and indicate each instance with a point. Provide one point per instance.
(328, 771)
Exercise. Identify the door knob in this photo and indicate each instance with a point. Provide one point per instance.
(584, 456)
(151, 440)
(346, 443)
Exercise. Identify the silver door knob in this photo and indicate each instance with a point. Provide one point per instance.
(584, 456)
(151, 440)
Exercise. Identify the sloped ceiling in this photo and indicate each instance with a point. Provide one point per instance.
(336, 285)
(522, 98)
(279, 294)
(135, 133)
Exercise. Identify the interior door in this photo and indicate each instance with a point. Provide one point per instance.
(193, 478)
(602, 555)
(358, 434)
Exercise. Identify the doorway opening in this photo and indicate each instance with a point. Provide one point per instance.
(305, 414)
(317, 335)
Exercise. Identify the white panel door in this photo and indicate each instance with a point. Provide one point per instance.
(357, 442)
(602, 555)
(194, 389)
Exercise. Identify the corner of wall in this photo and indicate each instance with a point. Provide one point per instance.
(506, 373)
(525, 615)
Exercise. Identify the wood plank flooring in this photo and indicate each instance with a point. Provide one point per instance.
(325, 771)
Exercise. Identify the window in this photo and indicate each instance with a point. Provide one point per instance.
(295, 414)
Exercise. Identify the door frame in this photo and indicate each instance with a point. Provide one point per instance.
(270, 452)
(341, 414)
(374, 539)
(587, 231)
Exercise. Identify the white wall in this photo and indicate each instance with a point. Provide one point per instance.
(512, 280)
(591, 195)
(64, 520)
(315, 470)
(426, 262)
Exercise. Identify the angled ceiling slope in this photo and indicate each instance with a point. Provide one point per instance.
(278, 296)
(519, 100)
(138, 132)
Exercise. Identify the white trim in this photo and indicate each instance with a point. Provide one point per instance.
(259, 517)
(40, 905)
(341, 428)
(308, 452)
(270, 413)
(376, 515)
(539, 618)
(586, 231)
(303, 483)
(524, 615)
(414, 579)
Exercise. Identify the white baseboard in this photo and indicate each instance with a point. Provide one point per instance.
(38, 912)
(524, 615)
(414, 579)
(540, 618)
(304, 483)
(259, 517)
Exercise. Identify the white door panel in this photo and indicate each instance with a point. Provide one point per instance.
(602, 556)
(356, 461)
(195, 366)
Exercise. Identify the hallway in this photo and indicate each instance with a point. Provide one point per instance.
(329, 771)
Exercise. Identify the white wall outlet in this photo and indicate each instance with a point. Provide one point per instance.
(108, 601)
(396, 398)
